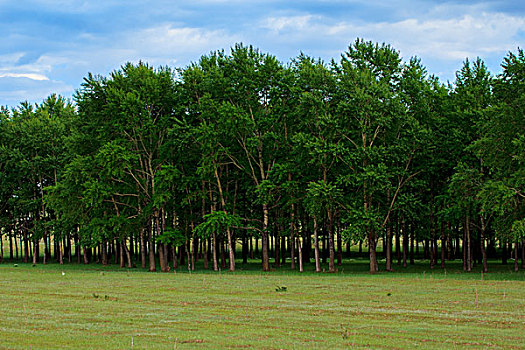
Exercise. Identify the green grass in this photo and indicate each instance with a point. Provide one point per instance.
(95, 307)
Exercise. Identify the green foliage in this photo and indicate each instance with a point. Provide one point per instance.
(171, 236)
(216, 223)
(362, 145)
(320, 196)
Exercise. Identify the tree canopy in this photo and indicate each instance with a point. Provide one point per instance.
(171, 165)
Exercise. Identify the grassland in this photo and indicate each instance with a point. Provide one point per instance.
(95, 307)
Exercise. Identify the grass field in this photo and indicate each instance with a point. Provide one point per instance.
(95, 307)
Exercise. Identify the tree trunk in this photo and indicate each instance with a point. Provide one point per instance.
(265, 257)
(162, 258)
(104, 251)
(503, 252)
(131, 250)
(469, 246)
(86, 255)
(182, 255)
(189, 255)
(11, 245)
(174, 258)
(307, 251)
(482, 243)
(388, 247)
(16, 246)
(69, 249)
(122, 255)
(516, 259)
(283, 250)
(36, 250)
(458, 247)
(214, 252)
(404, 231)
(205, 253)
(78, 249)
(450, 247)
(244, 250)
(161, 248)
(323, 242)
(231, 249)
(223, 253)
(316, 248)
(300, 254)
(277, 251)
(523, 254)
(372, 242)
(339, 247)
(251, 247)
(270, 245)
(151, 249)
(443, 245)
(46, 251)
(114, 250)
(331, 261)
(60, 254)
(412, 239)
(398, 244)
(432, 233)
(464, 245)
(26, 246)
(195, 248)
(292, 233)
(142, 248)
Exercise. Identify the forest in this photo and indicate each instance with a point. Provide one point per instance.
(240, 156)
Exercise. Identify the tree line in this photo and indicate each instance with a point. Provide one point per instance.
(241, 156)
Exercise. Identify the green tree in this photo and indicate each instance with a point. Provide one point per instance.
(380, 138)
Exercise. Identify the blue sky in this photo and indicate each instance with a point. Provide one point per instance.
(49, 46)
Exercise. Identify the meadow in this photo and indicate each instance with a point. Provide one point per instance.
(96, 307)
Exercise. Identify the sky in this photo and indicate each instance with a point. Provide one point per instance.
(50, 46)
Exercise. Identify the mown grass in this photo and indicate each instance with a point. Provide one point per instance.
(95, 307)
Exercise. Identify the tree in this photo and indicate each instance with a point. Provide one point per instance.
(120, 144)
(379, 137)
(500, 149)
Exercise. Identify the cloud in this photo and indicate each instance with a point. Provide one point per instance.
(182, 44)
(442, 41)
(51, 45)
(31, 76)
(294, 23)
(14, 90)
(456, 38)
(59, 70)
(452, 39)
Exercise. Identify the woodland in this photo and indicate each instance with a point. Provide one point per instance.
(240, 156)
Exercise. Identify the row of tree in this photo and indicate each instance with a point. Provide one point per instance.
(167, 166)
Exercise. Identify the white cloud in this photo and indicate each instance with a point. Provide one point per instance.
(10, 59)
(280, 24)
(173, 34)
(467, 36)
(31, 76)
(167, 42)
(31, 90)
(446, 39)
(159, 45)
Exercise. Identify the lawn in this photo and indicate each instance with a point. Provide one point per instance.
(95, 307)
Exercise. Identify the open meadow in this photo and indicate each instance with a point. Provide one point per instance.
(96, 307)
